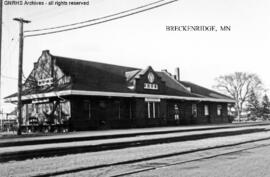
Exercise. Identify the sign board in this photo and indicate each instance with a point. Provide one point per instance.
(152, 99)
(40, 101)
(150, 86)
(47, 81)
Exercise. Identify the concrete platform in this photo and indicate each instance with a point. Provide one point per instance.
(46, 146)
(11, 139)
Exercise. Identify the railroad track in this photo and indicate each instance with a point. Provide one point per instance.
(60, 151)
(159, 166)
(155, 166)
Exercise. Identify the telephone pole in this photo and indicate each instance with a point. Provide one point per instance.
(19, 105)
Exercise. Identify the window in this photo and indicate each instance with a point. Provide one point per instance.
(194, 110)
(176, 112)
(219, 110)
(152, 109)
(206, 110)
(230, 110)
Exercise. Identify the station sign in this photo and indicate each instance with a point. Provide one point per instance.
(40, 101)
(150, 86)
(152, 99)
(47, 81)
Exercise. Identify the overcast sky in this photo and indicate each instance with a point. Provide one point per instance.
(141, 40)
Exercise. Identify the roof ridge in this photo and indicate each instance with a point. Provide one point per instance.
(221, 94)
(91, 61)
(176, 81)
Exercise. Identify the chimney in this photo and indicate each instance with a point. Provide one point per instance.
(35, 65)
(46, 51)
(177, 73)
(164, 70)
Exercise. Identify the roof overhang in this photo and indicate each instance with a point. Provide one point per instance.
(112, 94)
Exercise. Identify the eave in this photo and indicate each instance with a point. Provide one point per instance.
(113, 94)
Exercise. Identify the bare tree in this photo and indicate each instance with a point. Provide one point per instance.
(239, 86)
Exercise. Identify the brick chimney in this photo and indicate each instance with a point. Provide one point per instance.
(177, 73)
(35, 65)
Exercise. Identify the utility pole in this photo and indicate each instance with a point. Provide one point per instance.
(19, 105)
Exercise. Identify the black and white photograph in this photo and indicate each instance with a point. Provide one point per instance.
(137, 88)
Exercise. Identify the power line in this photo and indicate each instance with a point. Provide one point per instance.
(95, 19)
(8, 77)
(50, 13)
(69, 29)
(39, 13)
(104, 21)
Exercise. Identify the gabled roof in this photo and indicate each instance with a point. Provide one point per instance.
(174, 87)
(204, 92)
(95, 76)
(108, 79)
(136, 74)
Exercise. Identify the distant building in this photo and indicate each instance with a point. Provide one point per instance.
(92, 95)
(8, 121)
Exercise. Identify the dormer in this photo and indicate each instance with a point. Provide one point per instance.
(145, 81)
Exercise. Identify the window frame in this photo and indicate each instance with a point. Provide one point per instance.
(152, 109)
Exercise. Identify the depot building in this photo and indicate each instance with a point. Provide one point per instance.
(91, 95)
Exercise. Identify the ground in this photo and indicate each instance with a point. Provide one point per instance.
(233, 156)
(247, 163)
(247, 160)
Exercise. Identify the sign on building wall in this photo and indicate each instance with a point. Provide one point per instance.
(47, 81)
(152, 99)
(151, 85)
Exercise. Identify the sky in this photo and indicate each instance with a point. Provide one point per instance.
(141, 40)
